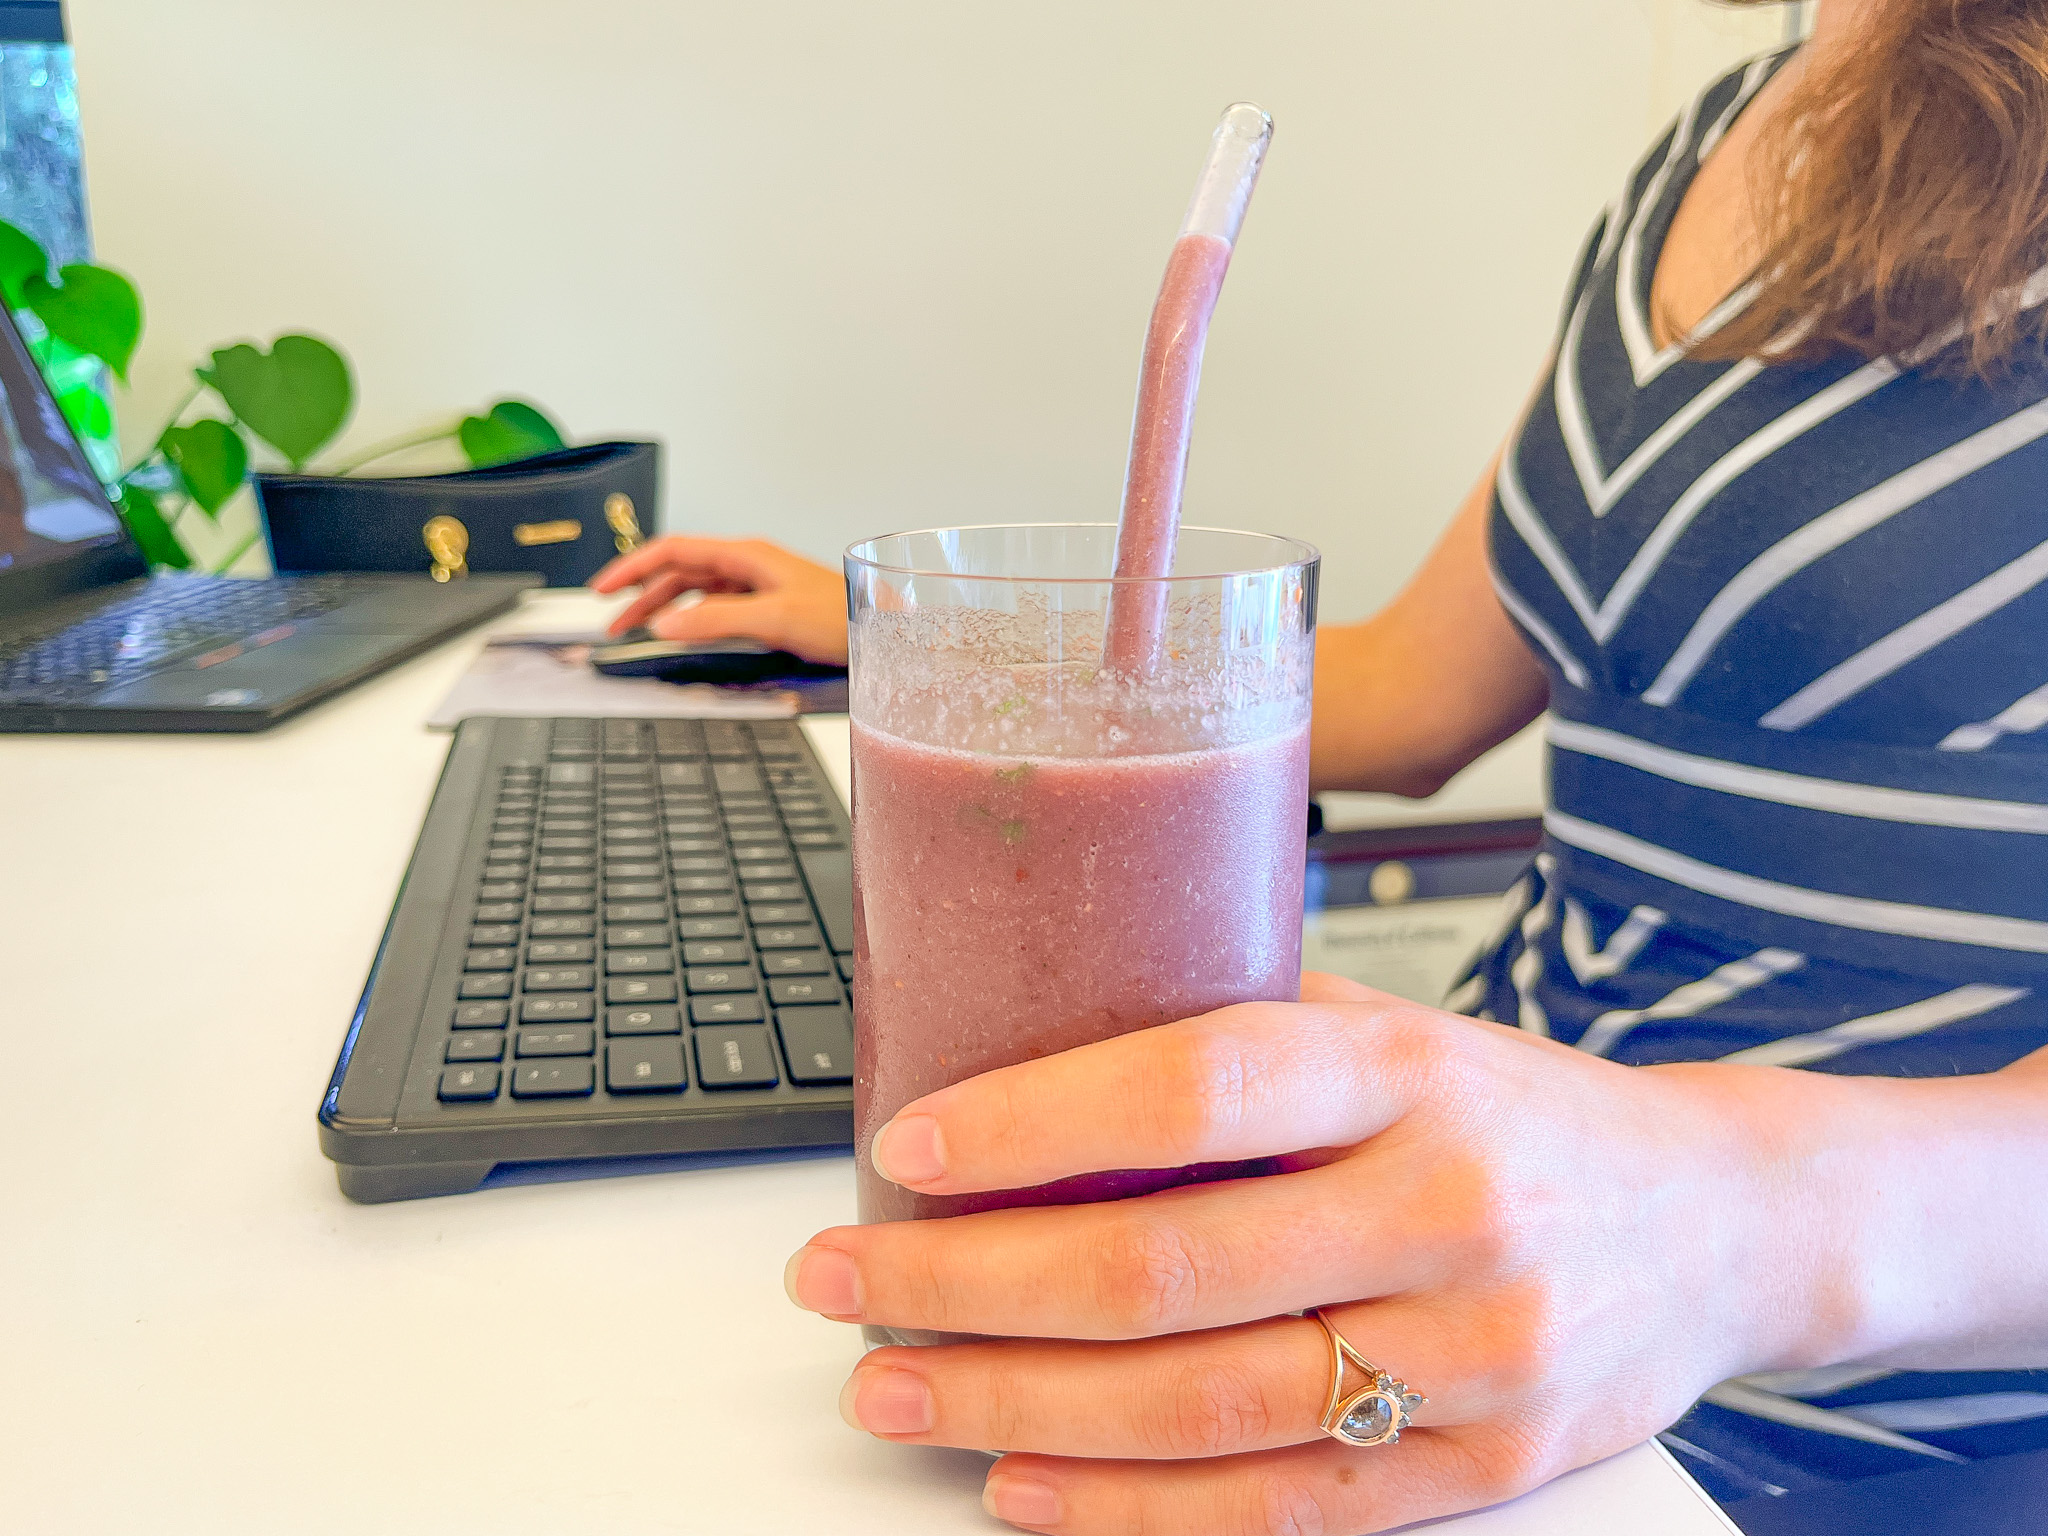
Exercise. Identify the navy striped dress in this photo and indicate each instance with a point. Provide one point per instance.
(1796, 623)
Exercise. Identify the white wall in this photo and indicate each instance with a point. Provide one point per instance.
(887, 264)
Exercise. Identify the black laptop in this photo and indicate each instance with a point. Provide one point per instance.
(89, 641)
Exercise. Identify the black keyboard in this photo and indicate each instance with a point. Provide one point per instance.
(173, 617)
(617, 938)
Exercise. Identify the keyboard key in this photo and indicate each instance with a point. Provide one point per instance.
(499, 985)
(702, 884)
(785, 990)
(752, 858)
(571, 773)
(501, 890)
(636, 936)
(750, 818)
(638, 962)
(642, 1021)
(562, 927)
(737, 1008)
(565, 901)
(787, 936)
(771, 913)
(557, 1042)
(716, 952)
(681, 848)
(497, 912)
(559, 951)
(640, 989)
(494, 933)
(636, 911)
(616, 817)
(774, 890)
(484, 1045)
(554, 1080)
(711, 928)
(796, 962)
(638, 869)
(683, 776)
(633, 890)
(830, 873)
(497, 872)
(582, 882)
(499, 958)
(678, 738)
(705, 906)
(724, 978)
(561, 978)
(830, 839)
(568, 1008)
(735, 1058)
(481, 1015)
(464, 1084)
(783, 873)
(819, 1044)
(698, 864)
(565, 862)
(648, 1066)
(735, 780)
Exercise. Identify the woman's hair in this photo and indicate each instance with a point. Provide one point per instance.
(1905, 193)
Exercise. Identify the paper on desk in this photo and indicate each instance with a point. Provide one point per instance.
(551, 675)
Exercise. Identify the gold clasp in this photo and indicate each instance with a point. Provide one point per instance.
(561, 531)
(448, 542)
(625, 524)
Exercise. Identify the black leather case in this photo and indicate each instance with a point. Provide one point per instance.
(561, 514)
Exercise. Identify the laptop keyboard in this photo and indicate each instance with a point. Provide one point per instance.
(641, 928)
(170, 619)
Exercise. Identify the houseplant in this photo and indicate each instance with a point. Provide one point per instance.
(83, 323)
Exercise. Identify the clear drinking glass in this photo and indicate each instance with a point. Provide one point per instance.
(1047, 852)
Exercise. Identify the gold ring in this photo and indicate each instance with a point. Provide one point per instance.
(1374, 1414)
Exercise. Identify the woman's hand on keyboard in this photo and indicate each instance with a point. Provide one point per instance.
(1561, 1252)
(752, 590)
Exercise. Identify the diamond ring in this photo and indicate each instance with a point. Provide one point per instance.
(1373, 1414)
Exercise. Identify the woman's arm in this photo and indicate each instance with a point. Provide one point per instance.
(1561, 1252)
(1414, 693)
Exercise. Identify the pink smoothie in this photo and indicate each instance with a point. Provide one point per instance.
(1165, 417)
(1010, 908)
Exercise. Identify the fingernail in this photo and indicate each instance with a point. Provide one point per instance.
(908, 1151)
(1020, 1501)
(823, 1280)
(885, 1402)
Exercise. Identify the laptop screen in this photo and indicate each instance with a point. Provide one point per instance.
(57, 528)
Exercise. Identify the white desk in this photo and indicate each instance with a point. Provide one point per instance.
(202, 1336)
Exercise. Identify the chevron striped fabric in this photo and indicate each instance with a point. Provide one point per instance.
(1796, 620)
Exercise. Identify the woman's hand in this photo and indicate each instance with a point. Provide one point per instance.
(1562, 1253)
(753, 590)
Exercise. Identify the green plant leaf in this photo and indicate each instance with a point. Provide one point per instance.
(94, 309)
(295, 396)
(160, 545)
(20, 259)
(510, 430)
(86, 409)
(211, 459)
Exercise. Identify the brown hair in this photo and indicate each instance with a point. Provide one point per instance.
(1905, 193)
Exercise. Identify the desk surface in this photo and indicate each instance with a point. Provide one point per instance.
(204, 1336)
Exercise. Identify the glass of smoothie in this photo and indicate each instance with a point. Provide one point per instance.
(1049, 850)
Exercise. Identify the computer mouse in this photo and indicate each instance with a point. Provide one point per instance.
(639, 654)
